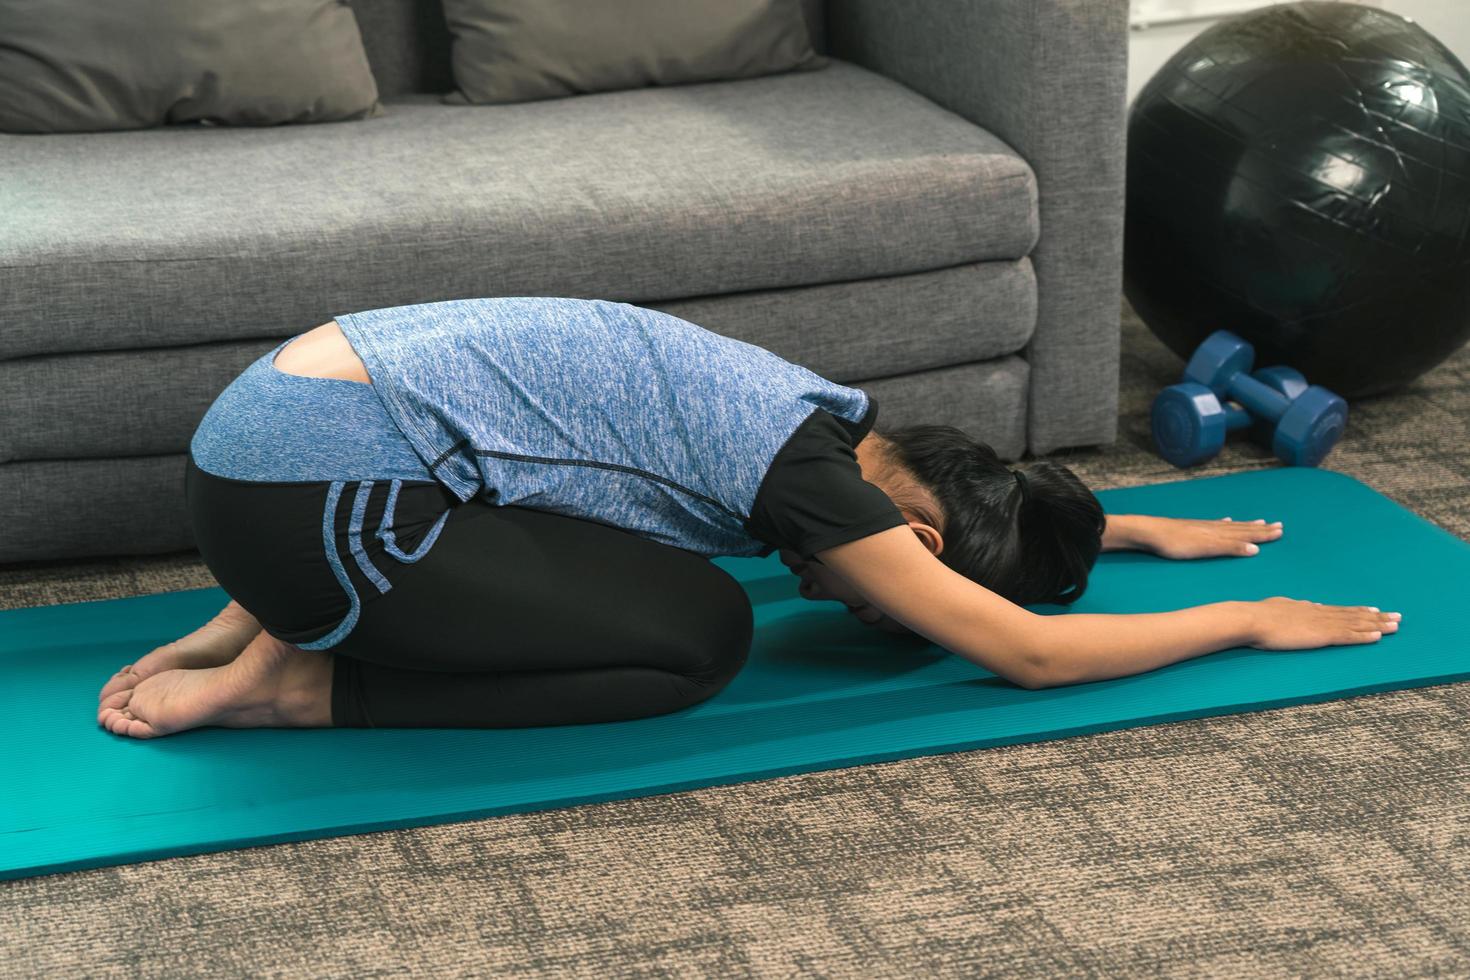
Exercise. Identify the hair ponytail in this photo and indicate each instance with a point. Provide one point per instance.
(1062, 520)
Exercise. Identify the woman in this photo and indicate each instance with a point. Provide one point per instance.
(499, 513)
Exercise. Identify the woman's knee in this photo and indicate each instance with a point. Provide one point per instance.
(720, 636)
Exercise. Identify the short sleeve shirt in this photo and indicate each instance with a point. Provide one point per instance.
(622, 415)
(813, 496)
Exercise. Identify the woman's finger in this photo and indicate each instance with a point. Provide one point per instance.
(1247, 527)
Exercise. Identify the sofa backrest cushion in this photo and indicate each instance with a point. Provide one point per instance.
(83, 66)
(407, 42)
(508, 51)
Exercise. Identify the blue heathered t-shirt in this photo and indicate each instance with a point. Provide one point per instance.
(617, 414)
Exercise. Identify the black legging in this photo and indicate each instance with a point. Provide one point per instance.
(515, 617)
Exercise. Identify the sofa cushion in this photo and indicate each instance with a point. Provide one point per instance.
(147, 401)
(169, 237)
(408, 43)
(78, 66)
(507, 51)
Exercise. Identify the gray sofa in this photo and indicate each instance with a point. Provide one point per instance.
(935, 217)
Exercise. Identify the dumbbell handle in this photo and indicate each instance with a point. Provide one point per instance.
(1236, 418)
(1265, 401)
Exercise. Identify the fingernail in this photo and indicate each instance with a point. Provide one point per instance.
(1252, 549)
(1396, 615)
(1275, 523)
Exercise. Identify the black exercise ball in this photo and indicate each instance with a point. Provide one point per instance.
(1300, 176)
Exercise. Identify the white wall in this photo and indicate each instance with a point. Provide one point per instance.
(1162, 27)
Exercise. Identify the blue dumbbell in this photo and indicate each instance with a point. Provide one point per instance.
(1190, 422)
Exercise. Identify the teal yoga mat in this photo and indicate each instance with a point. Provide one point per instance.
(821, 691)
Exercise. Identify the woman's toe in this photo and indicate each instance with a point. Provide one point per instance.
(111, 710)
(120, 719)
(118, 699)
(133, 726)
(118, 682)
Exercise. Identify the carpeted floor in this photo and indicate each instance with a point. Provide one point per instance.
(1324, 840)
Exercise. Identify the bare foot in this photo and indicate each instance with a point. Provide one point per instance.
(271, 684)
(215, 643)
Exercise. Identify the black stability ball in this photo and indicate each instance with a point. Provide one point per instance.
(1300, 176)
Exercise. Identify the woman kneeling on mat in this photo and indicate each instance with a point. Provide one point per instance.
(498, 513)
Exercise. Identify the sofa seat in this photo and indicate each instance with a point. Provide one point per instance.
(194, 235)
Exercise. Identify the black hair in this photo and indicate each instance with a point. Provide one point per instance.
(1032, 544)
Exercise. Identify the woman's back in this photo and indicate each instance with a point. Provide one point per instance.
(598, 410)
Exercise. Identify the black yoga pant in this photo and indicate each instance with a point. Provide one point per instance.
(515, 617)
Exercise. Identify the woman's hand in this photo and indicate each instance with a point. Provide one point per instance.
(819, 583)
(1280, 623)
(1183, 538)
(875, 617)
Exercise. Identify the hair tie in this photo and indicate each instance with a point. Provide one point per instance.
(1025, 486)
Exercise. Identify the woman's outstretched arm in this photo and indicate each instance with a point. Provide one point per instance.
(896, 574)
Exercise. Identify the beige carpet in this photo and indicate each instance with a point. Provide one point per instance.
(1324, 840)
